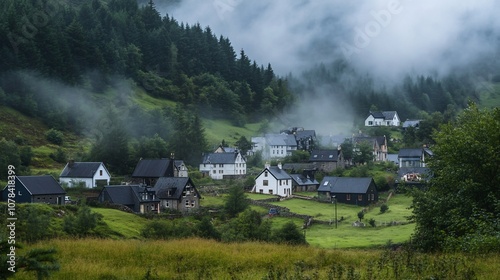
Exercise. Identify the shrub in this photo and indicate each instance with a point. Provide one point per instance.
(361, 215)
(372, 222)
(384, 208)
(54, 136)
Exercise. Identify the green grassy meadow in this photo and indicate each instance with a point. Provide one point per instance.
(205, 259)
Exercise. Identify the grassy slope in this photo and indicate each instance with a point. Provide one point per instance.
(124, 224)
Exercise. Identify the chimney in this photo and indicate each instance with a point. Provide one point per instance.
(172, 165)
(71, 163)
(267, 165)
(279, 165)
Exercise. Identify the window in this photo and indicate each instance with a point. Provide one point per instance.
(220, 171)
(100, 172)
(360, 197)
(348, 197)
(261, 191)
(193, 203)
(265, 183)
(373, 196)
(221, 165)
(167, 204)
(265, 174)
(215, 171)
(370, 122)
(281, 182)
(187, 203)
(270, 191)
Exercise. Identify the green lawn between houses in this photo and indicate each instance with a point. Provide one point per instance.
(318, 235)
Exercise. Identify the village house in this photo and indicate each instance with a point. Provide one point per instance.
(138, 198)
(176, 193)
(349, 190)
(87, 174)
(36, 189)
(273, 180)
(148, 171)
(385, 118)
(304, 182)
(378, 144)
(327, 160)
(222, 165)
(413, 157)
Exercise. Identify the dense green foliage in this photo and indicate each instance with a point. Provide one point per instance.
(236, 201)
(460, 210)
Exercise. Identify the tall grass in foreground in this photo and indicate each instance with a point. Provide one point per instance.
(204, 259)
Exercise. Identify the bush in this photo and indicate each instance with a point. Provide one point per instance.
(59, 156)
(54, 136)
(372, 222)
(384, 208)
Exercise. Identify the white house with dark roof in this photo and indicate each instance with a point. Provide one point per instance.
(90, 174)
(279, 145)
(223, 165)
(273, 180)
(385, 118)
(36, 189)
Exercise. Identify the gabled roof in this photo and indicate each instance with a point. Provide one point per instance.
(302, 180)
(345, 184)
(410, 153)
(360, 139)
(220, 158)
(175, 184)
(276, 172)
(386, 115)
(389, 115)
(81, 169)
(152, 168)
(40, 185)
(324, 156)
(303, 134)
(120, 194)
(125, 194)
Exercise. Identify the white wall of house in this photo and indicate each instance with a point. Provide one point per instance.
(266, 183)
(217, 171)
(101, 174)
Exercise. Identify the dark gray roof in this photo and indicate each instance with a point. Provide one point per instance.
(125, 194)
(175, 184)
(303, 134)
(377, 115)
(39, 185)
(360, 139)
(302, 180)
(299, 166)
(324, 156)
(220, 158)
(80, 169)
(410, 153)
(120, 194)
(389, 115)
(152, 168)
(276, 172)
(345, 184)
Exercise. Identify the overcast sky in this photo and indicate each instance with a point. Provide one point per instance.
(383, 37)
(386, 39)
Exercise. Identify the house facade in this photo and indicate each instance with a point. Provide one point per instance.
(36, 189)
(385, 118)
(88, 174)
(414, 157)
(138, 198)
(349, 190)
(177, 193)
(223, 165)
(327, 160)
(378, 144)
(273, 180)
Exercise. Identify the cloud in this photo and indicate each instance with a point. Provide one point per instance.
(400, 36)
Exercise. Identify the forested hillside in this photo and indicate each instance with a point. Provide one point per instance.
(79, 66)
